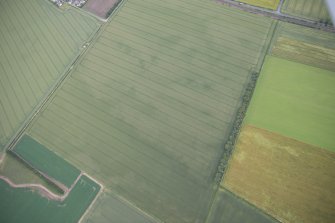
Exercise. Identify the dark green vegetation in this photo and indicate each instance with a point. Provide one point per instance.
(45, 161)
(20, 173)
(151, 103)
(38, 44)
(111, 10)
(230, 143)
(227, 208)
(21, 205)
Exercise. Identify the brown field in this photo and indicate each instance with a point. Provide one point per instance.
(290, 180)
(99, 7)
(306, 53)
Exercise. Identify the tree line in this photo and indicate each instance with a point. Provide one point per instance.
(237, 124)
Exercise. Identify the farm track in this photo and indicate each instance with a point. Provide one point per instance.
(35, 49)
(43, 191)
(279, 16)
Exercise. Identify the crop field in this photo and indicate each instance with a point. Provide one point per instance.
(100, 7)
(284, 158)
(310, 9)
(268, 4)
(295, 100)
(45, 161)
(148, 107)
(38, 44)
(289, 179)
(111, 208)
(21, 204)
(228, 208)
(305, 45)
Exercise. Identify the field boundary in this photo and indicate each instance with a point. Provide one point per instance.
(236, 127)
(39, 107)
(242, 110)
(278, 16)
(250, 204)
(45, 192)
(102, 188)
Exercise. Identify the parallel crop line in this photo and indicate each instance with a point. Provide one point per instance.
(180, 93)
(149, 116)
(110, 103)
(226, 84)
(169, 26)
(126, 155)
(145, 40)
(191, 24)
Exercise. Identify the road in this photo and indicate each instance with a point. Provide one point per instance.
(278, 15)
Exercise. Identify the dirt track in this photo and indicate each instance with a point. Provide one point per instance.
(43, 191)
(36, 187)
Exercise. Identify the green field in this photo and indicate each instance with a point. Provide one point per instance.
(268, 4)
(45, 161)
(20, 173)
(305, 45)
(21, 205)
(309, 9)
(227, 207)
(111, 208)
(38, 44)
(150, 104)
(295, 100)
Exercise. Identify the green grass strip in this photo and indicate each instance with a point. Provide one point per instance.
(46, 161)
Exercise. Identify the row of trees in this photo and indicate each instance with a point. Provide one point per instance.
(113, 8)
(230, 143)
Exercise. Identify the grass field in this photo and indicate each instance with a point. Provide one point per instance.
(45, 161)
(268, 4)
(38, 44)
(310, 9)
(19, 173)
(229, 208)
(305, 45)
(151, 103)
(295, 100)
(19, 205)
(291, 180)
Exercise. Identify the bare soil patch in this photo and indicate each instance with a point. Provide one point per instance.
(100, 7)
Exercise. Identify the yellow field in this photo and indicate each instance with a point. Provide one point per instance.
(269, 4)
(306, 53)
(290, 180)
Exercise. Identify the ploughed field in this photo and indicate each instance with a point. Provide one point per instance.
(101, 8)
(149, 106)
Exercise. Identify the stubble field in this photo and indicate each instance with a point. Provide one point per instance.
(290, 180)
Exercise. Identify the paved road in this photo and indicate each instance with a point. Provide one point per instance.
(278, 15)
